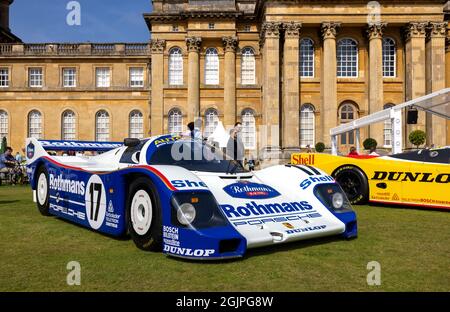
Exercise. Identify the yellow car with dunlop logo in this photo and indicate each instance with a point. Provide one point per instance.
(415, 178)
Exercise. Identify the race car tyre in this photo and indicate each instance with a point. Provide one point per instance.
(354, 183)
(144, 220)
(42, 191)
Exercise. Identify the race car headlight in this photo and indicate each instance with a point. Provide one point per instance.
(186, 214)
(337, 200)
(333, 197)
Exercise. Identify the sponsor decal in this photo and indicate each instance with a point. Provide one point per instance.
(312, 180)
(188, 252)
(425, 177)
(288, 225)
(254, 209)
(299, 159)
(30, 150)
(78, 144)
(264, 220)
(246, 189)
(60, 184)
(308, 229)
(166, 140)
(112, 219)
(187, 183)
(171, 236)
(67, 211)
(395, 197)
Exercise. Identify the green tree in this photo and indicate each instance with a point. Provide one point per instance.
(4, 145)
(417, 137)
(369, 143)
(320, 147)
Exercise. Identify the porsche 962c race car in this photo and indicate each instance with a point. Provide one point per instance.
(185, 197)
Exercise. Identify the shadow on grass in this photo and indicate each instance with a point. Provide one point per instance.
(406, 207)
(5, 202)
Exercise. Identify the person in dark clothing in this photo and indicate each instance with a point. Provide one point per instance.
(235, 146)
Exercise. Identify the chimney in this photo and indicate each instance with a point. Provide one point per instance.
(4, 13)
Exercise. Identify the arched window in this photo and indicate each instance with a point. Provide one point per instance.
(347, 113)
(249, 129)
(175, 67)
(347, 58)
(248, 66)
(175, 121)
(136, 126)
(307, 124)
(102, 126)
(68, 125)
(389, 58)
(306, 57)
(211, 67)
(211, 121)
(35, 124)
(4, 125)
(387, 130)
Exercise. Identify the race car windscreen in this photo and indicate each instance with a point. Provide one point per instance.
(195, 156)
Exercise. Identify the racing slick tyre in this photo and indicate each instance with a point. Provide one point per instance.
(144, 219)
(42, 191)
(354, 183)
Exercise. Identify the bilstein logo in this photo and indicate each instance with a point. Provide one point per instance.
(426, 177)
(30, 151)
(245, 189)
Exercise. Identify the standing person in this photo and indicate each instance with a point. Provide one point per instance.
(373, 151)
(193, 131)
(235, 147)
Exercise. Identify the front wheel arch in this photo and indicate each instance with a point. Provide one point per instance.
(356, 173)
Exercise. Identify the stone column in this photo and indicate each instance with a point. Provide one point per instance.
(230, 44)
(291, 102)
(435, 80)
(270, 40)
(447, 75)
(157, 98)
(375, 36)
(415, 70)
(328, 86)
(193, 106)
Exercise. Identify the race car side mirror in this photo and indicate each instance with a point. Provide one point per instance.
(131, 142)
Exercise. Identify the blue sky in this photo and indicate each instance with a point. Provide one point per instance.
(101, 21)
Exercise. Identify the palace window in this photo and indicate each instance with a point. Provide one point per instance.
(347, 58)
(247, 28)
(248, 66)
(68, 125)
(211, 26)
(69, 77)
(4, 77)
(211, 67)
(175, 67)
(387, 129)
(35, 77)
(347, 113)
(136, 77)
(175, 121)
(211, 121)
(35, 124)
(307, 125)
(249, 129)
(103, 77)
(136, 125)
(175, 28)
(4, 125)
(306, 58)
(389, 57)
(102, 126)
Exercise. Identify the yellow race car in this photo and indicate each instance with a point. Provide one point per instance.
(418, 178)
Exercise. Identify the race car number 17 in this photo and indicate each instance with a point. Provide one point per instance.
(95, 199)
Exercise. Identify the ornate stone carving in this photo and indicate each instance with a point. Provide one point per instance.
(230, 43)
(292, 29)
(447, 44)
(437, 30)
(157, 45)
(415, 30)
(329, 30)
(193, 44)
(375, 31)
(270, 29)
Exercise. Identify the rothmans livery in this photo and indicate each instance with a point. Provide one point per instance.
(185, 197)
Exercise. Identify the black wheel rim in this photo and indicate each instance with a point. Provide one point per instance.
(351, 184)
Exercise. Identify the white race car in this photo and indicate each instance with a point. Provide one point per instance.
(185, 197)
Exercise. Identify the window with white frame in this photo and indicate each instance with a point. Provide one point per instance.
(68, 125)
(347, 58)
(4, 77)
(211, 26)
(211, 121)
(69, 77)
(175, 67)
(211, 67)
(136, 125)
(307, 125)
(4, 125)
(347, 113)
(175, 121)
(103, 77)
(35, 77)
(248, 66)
(102, 126)
(306, 58)
(389, 57)
(248, 129)
(387, 129)
(136, 77)
(35, 124)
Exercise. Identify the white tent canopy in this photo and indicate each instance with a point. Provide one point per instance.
(219, 136)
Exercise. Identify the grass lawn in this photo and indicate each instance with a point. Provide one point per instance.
(412, 246)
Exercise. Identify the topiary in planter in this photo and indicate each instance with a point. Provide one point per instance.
(370, 143)
(417, 137)
(320, 147)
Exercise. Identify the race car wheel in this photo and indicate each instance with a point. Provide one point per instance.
(354, 183)
(144, 220)
(42, 191)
